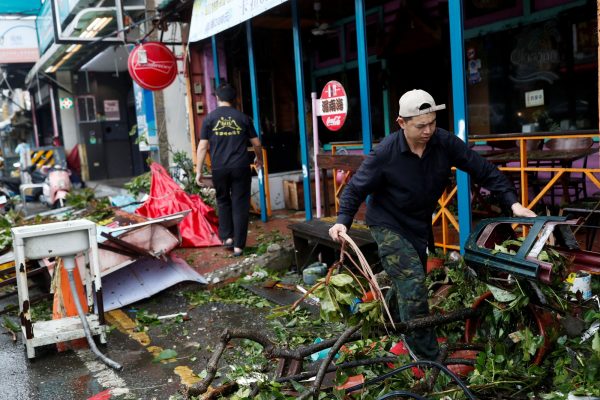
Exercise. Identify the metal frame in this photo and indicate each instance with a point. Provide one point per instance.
(363, 74)
(121, 37)
(301, 108)
(29, 242)
(215, 54)
(459, 102)
(255, 114)
(446, 218)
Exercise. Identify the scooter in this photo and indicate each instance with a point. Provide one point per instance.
(6, 203)
(56, 187)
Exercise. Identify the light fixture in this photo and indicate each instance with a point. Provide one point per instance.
(95, 27)
(89, 32)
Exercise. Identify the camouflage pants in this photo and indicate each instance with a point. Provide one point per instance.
(404, 267)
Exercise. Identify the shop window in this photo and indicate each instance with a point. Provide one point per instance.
(86, 109)
(585, 43)
(371, 28)
(328, 49)
(481, 12)
(543, 4)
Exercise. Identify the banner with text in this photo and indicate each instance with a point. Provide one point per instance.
(210, 17)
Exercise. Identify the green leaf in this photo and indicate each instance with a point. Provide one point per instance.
(343, 297)
(501, 295)
(9, 324)
(340, 280)
(298, 387)
(596, 342)
(165, 355)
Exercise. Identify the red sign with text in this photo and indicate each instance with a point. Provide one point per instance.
(152, 66)
(333, 105)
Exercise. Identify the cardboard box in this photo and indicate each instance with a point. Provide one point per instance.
(293, 194)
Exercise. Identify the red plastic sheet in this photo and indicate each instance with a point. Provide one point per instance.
(199, 228)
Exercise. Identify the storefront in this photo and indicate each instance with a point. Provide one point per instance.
(537, 72)
(500, 66)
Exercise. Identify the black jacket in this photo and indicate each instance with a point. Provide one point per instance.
(404, 188)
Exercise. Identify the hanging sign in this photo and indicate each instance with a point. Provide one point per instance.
(152, 65)
(333, 105)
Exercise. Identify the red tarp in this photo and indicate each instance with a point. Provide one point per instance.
(198, 228)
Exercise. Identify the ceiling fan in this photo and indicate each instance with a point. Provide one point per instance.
(321, 28)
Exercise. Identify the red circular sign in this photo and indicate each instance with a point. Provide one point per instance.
(152, 66)
(334, 105)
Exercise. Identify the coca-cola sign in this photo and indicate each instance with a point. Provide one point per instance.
(333, 105)
(152, 66)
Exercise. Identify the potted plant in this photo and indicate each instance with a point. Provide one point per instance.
(435, 260)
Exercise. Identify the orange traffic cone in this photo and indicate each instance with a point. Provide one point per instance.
(64, 303)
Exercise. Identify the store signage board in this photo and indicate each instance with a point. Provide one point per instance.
(152, 65)
(66, 103)
(111, 110)
(210, 17)
(333, 105)
(18, 41)
(145, 118)
(534, 98)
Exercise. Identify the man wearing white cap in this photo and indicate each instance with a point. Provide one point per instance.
(405, 176)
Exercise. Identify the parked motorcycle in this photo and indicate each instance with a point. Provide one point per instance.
(56, 186)
(10, 184)
(6, 203)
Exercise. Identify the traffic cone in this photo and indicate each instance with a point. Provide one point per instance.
(64, 303)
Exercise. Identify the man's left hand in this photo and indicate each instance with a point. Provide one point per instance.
(520, 211)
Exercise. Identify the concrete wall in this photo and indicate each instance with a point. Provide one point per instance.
(176, 117)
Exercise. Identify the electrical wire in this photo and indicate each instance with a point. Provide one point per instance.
(425, 363)
(86, 328)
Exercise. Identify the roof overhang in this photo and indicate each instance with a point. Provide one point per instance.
(89, 32)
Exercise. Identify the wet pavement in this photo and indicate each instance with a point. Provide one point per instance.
(76, 374)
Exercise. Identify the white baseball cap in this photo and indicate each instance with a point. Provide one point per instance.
(417, 102)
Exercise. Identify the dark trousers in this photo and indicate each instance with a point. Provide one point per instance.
(232, 186)
(404, 266)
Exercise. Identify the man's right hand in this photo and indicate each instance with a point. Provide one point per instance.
(199, 179)
(335, 231)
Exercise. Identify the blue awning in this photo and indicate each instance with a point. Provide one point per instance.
(21, 7)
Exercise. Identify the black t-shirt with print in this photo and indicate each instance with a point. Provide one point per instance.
(228, 132)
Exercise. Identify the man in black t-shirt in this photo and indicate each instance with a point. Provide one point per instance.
(226, 133)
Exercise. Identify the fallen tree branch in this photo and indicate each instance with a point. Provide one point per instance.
(272, 352)
(323, 368)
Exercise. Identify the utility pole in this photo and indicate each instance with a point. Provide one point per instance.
(159, 101)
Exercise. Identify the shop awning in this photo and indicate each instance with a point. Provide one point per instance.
(88, 23)
(210, 18)
(20, 7)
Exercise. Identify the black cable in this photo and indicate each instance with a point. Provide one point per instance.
(403, 394)
(427, 363)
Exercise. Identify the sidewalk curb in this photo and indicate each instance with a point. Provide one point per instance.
(278, 257)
